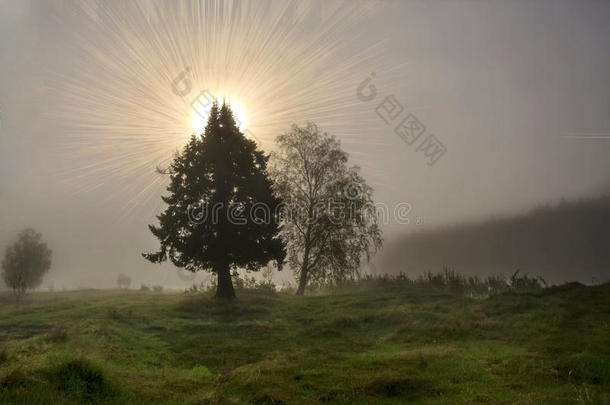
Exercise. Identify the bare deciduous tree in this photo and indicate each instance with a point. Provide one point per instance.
(328, 216)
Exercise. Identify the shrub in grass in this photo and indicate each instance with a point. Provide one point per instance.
(586, 368)
(411, 388)
(157, 288)
(113, 313)
(3, 354)
(16, 379)
(202, 372)
(524, 283)
(82, 379)
(497, 284)
(476, 287)
(58, 334)
(118, 314)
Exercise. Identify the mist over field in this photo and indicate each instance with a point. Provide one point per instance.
(217, 201)
(506, 87)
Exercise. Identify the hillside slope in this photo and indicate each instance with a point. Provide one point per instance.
(361, 347)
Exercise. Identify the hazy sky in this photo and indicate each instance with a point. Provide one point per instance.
(518, 92)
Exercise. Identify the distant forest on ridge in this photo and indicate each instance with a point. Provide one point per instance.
(555, 242)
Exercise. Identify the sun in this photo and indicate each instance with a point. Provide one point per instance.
(201, 112)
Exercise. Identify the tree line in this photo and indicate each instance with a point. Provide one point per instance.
(563, 242)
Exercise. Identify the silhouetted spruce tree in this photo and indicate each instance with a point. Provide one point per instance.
(221, 212)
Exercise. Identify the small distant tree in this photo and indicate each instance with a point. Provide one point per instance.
(123, 281)
(26, 262)
(221, 210)
(329, 220)
(267, 278)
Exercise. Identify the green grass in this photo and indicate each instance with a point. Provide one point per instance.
(384, 345)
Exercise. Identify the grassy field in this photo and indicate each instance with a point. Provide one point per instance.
(358, 347)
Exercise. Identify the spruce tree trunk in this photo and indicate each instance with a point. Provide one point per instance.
(224, 288)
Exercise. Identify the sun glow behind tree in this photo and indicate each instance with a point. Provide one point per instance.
(275, 62)
(200, 117)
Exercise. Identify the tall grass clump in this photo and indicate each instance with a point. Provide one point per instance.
(446, 280)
